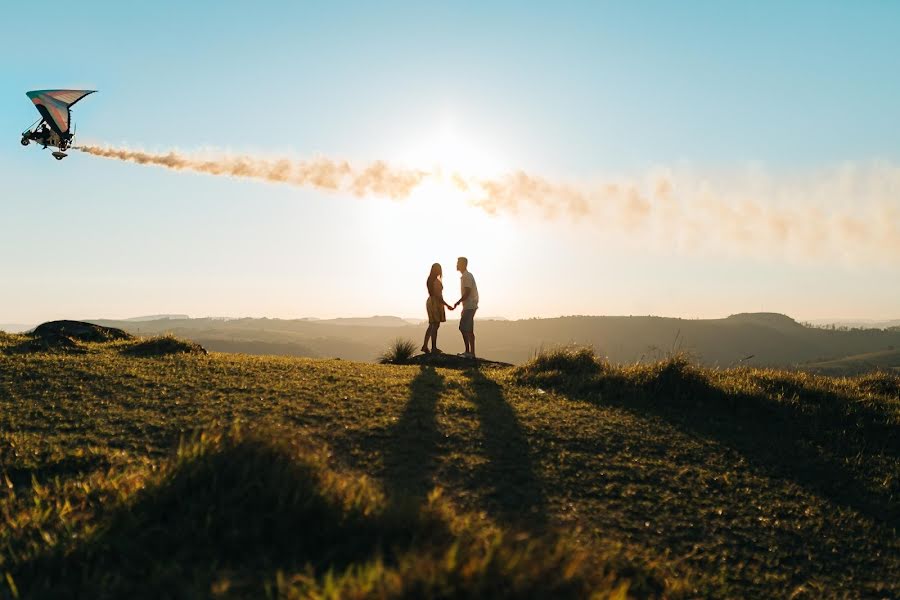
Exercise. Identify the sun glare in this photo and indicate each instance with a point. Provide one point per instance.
(451, 149)
(438, 216)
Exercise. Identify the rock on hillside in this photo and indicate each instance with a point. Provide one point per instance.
(66, 336)
(78, 331)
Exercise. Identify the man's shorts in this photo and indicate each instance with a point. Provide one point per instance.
(467, 320)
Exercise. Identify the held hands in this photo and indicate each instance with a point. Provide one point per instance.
(450, 307)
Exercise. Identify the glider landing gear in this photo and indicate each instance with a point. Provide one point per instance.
(25, 141)
(59, 155)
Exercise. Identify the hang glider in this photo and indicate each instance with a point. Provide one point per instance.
(52, 129)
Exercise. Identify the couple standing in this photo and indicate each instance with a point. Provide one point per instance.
(435, 307)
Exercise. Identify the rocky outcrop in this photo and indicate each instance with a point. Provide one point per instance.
(67, 336)
(78, 331)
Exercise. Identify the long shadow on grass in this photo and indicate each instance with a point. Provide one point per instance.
(411, 457)
(808, 440)
(236, 516)
(245, 507)
(517, 489)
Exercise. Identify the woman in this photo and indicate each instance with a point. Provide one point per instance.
(435, 307)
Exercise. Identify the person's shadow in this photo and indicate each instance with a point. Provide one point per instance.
(516, 490)
(507, 479)
(411, 457)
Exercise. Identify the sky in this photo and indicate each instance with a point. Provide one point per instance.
(752, 150)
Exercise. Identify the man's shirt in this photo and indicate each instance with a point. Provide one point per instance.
(468, 281)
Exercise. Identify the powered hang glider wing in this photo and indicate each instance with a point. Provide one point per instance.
(55, 105)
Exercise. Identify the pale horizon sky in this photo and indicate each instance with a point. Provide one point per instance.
(763, 141)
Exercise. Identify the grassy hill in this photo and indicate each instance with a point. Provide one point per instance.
(144, 468)
(771, 339)
(888, 360)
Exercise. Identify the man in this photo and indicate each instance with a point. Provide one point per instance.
(43, 135)
(469, 301)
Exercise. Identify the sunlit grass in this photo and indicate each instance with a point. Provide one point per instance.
(235, 476)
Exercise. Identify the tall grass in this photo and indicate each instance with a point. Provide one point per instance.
(812, 426)
(238, 514)
(398, 353)
(561, 367)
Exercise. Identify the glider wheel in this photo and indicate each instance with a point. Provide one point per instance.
(59, 157)
(24, 141)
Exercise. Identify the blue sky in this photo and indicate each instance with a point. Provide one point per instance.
(569, 91)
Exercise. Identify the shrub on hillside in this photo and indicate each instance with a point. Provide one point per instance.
(672, 376)
(565, 367)
(163, 345)
(50, 343)
(398, 353)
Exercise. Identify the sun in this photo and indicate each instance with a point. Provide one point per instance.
(450, 149)
(440, 217)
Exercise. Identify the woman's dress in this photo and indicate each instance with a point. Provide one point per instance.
(434, 306)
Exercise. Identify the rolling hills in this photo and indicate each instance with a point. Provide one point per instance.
(859, 363)
(768, 339)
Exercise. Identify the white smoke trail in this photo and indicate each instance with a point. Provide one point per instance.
(377, 179)
(851, 213)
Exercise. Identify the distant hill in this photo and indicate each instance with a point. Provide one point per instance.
(156, 318)
(858, 323)
(14, 327)
(765, 319)
(769, 339)
(376, 321)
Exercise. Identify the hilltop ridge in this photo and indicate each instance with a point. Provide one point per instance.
(765, 318)
(771, 339)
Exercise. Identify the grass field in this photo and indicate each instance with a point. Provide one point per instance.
(129, 473)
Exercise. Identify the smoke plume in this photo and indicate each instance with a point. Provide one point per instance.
(849, 213)
(378, 178)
